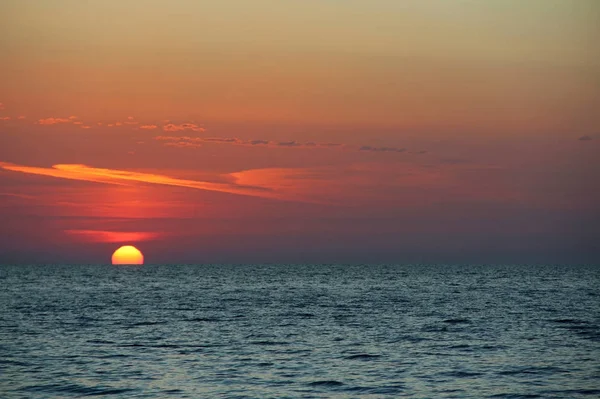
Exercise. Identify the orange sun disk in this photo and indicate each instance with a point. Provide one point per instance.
(127, 255)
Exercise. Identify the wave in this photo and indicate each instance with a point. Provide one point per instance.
(76, 389)
(326, 383)
(362, 356)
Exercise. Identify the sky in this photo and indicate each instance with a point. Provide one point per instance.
(300, 131)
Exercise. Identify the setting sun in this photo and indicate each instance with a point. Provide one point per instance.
(127, 255)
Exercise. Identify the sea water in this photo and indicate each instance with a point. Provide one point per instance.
(300, 331)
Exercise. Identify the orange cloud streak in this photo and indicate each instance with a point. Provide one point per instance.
(114, 176)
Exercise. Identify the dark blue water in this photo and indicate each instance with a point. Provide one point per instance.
(300, 331)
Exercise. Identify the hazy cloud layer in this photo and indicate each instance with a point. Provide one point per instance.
(381, 149)
(113, 236)
(193, 142)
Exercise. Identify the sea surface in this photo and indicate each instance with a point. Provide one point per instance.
(300, 331)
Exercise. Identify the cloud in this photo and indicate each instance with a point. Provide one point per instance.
(381, 149)
(148, 127)
(180, 141)
(123, 177)
(21, 196)
(183, 141)
(21, 117)
(307, 144)
(114, 236)
(350, 184)
(183, 144)
(585, 138)
(4, 118)
(170, 127)
(226, 140)
(258, 142)
(54, 121)
(194, 142)
(289, 144)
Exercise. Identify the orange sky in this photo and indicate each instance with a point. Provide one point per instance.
(299, 131)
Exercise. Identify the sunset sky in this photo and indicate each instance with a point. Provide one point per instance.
(300, 131)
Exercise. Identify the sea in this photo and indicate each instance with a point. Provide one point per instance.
(300, 331)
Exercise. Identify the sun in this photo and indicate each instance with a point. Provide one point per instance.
(127, 255)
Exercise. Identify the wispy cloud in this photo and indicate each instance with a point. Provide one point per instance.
(21, 196)
(585, 138)
(222, 140)
(258, 142)
(129, 121)
(351, 184)
(292, 143)
(183, 144)
(187, 141)
(171, 127)
(184, 141)
(194, 142)
(122, 177)
(381, 149)
(54, 121)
